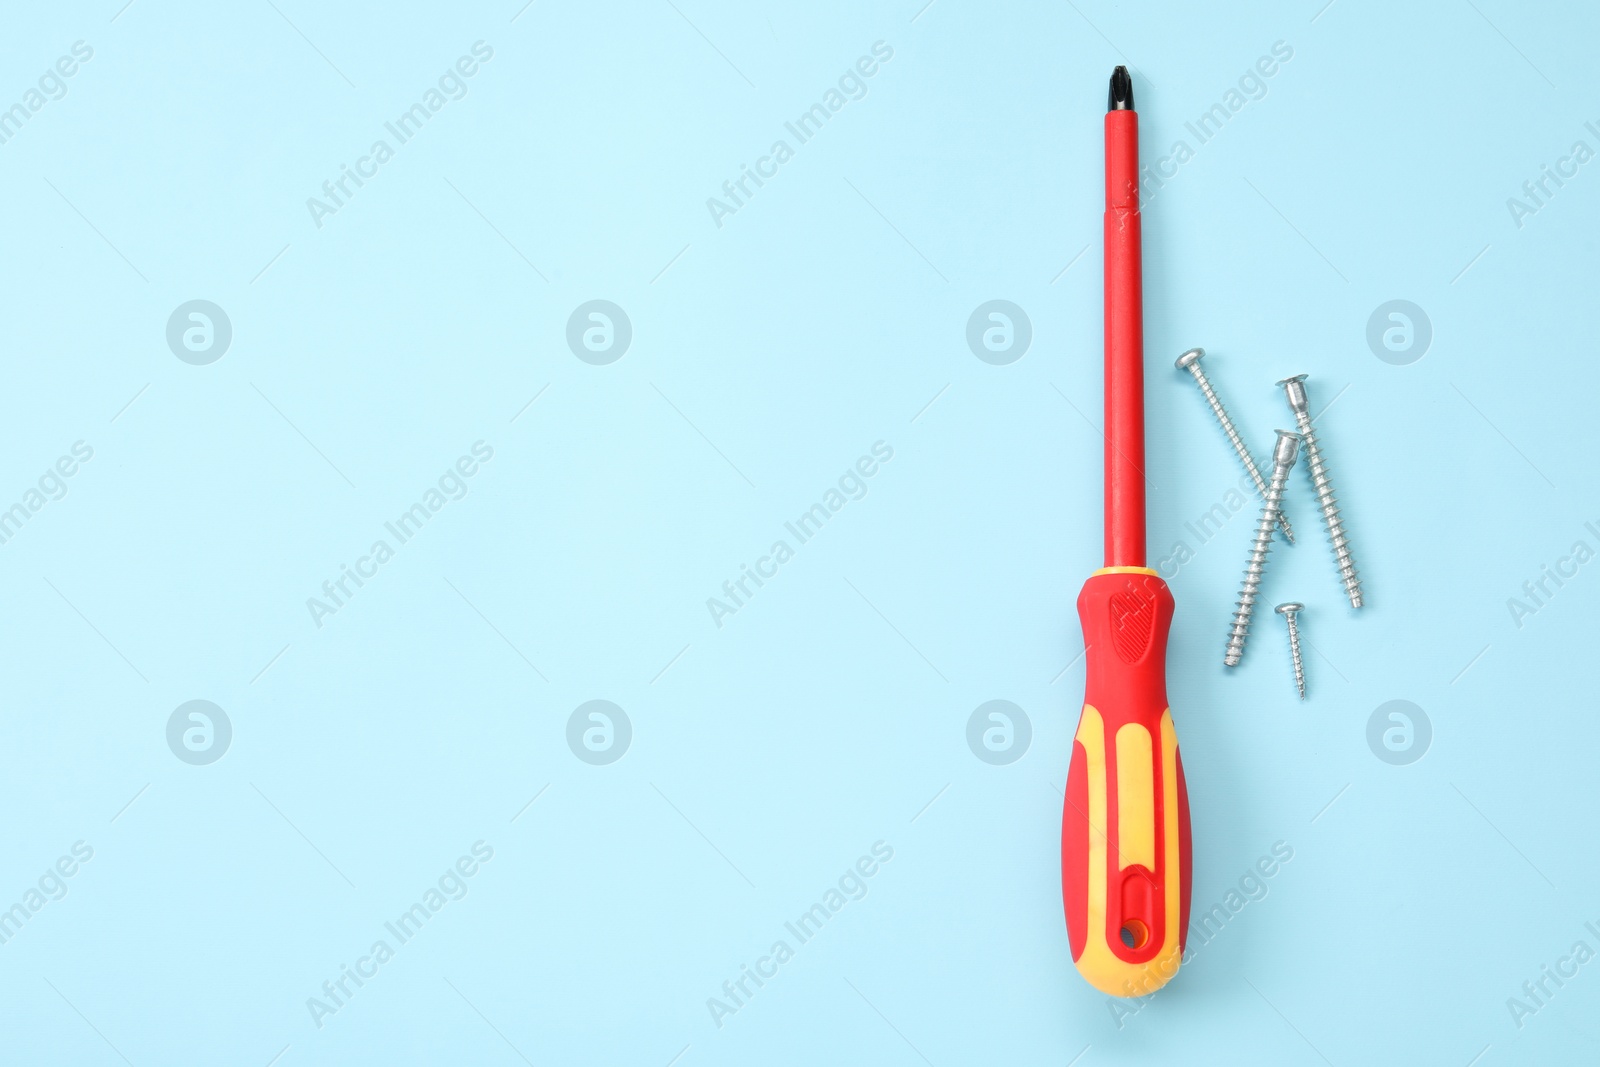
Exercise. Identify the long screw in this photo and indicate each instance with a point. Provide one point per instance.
(1295, 389)
(1283, 456)
(1190, 361)
(1289, 611)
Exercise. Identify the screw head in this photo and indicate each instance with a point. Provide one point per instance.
(1296, 378)
(1190, 358)
(1287, 449)
(1290, 608)
(1294, 388)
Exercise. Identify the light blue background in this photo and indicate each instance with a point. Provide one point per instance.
(767, 356)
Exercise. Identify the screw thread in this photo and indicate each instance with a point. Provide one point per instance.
(1317, 467)
(1259, 547)
(1237, 442)
(1294, 654)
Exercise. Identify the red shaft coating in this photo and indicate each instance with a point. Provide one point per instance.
(1124, 317)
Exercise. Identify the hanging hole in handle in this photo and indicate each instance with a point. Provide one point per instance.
(1134, 934)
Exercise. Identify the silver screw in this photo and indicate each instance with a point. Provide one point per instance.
(1283, 456)
(1190, 361)
(1295, 389)
(1289, 611)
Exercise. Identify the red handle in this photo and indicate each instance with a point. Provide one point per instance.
(1125, 852)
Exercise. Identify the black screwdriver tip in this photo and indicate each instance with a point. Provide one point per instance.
(1121, 95)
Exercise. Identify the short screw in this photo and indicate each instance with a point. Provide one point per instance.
(1190, 361)
(1289, 611)
(1283, 456)
(1317, 467)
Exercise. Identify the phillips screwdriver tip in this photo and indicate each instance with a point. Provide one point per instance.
(1121, 95)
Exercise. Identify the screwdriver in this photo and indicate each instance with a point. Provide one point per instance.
(1125, 851)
